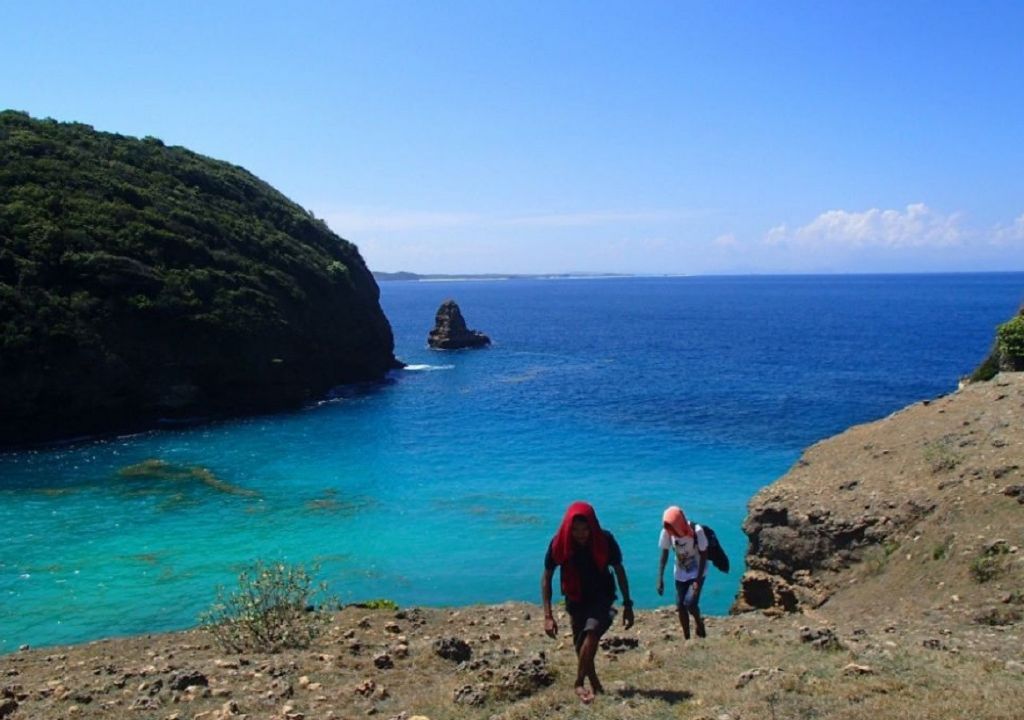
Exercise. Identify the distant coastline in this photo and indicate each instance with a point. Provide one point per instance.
(416, 277)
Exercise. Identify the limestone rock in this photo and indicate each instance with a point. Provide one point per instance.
(450, 331)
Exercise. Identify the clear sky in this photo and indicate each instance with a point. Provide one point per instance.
(648, 137)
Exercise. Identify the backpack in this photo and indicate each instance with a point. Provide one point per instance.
(716, 554)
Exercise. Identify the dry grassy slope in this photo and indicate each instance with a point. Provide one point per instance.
(749, 667)
(890, 521)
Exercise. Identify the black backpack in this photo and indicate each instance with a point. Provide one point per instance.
(716, 554)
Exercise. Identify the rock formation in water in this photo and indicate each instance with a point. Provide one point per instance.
(140, 282)
(450, 331)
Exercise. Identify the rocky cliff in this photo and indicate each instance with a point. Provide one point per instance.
(920, 514)
(140, 281)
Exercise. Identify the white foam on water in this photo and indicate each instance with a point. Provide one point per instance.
(426, 368)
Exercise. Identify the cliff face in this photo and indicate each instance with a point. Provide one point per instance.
(139, 281)
(919, 513)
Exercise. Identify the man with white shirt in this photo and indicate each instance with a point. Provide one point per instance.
(689, 544)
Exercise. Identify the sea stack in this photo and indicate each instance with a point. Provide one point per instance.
(450, 331)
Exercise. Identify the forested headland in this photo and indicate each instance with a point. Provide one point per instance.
(140, 281)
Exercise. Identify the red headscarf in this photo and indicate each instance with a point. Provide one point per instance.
(562, 547)
(675, 518)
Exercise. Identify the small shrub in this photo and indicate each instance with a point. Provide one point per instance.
(990, 564)
(998, 616)
(940, 456)
(1010, 337)
(875, 559)
(377, 604)
(269, 611)
(941, 550)
(988, 369)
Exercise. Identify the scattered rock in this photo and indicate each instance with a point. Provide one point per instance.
(187, 678)
(855, 669)
(471, 695)
(7, 707)
(365, 688)
(822, 638)
(1015, 491)
(144, 703)
(450, 331)
(748, 676)
(527, 677)
(617, 644)
(453, 648)
(383, 661)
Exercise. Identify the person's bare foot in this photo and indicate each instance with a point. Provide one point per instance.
(586, 697)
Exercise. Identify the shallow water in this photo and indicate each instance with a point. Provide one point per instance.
(444, 485)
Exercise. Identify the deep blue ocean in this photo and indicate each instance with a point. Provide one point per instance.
(444, 485)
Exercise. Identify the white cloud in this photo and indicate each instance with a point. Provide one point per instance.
(916, 227)
(1009, 234)
(725, 241)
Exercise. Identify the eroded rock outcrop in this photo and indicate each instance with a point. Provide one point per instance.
(900, 507)
(450, 331)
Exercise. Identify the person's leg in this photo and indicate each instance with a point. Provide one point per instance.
(698, 621)
(580, 636)
(688, 604)
(585, 669)
(684, 619)
(599, 625)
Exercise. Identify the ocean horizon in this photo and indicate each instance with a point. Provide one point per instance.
(442, 485)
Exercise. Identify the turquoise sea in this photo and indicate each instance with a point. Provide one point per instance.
(443, 485)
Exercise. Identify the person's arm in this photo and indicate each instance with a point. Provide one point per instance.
(627, 602)
(702, 563)
(550, 626)
(660, 585)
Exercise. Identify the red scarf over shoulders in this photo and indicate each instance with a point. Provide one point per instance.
(563, 547)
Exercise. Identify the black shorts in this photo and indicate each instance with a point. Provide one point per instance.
(684, 598)
(592, 617)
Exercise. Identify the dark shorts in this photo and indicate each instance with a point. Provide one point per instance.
(595, 618)
(684, 597)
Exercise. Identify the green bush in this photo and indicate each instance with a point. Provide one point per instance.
(988, 369)
(377, 604)
(1010, 336)
(990, 564)
(272, 609)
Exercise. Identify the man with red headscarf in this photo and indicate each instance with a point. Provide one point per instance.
(585, 552)
(690, 547)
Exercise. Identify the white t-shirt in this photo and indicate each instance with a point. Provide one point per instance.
(687, 551)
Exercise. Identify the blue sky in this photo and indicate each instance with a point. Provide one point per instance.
(649, 137)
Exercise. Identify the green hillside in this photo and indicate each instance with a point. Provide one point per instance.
(140, 281)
